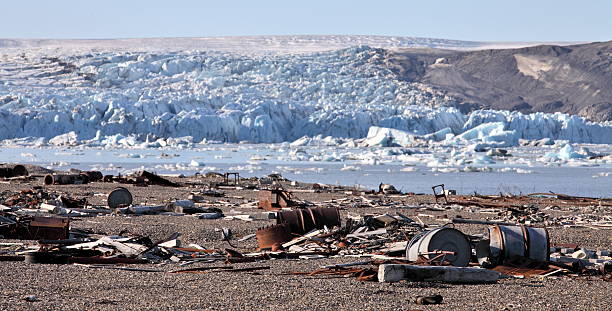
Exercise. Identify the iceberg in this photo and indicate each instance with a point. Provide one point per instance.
(566, 153)
(386, 137)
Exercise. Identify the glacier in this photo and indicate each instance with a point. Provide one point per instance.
(155, 99)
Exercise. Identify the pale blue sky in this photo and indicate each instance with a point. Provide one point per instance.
(481, 20)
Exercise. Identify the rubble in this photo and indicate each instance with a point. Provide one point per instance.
(26, 227)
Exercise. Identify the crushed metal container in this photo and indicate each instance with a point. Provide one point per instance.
(93, 176)
(295, 223)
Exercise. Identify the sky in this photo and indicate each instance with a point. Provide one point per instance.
(478, 20)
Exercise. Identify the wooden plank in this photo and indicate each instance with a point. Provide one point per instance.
(367, 233)
(302, 238)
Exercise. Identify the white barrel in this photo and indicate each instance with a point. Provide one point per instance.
(441, 239)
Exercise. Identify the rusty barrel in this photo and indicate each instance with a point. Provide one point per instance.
(71, 179)
(302, 221)
(120, 196)
(430, 244)
(514, 243)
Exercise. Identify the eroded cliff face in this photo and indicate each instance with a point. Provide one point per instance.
(573, 79)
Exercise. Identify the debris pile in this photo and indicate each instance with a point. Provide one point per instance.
(27, 227)
(390, 246)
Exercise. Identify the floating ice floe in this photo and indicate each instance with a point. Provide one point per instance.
(195, 163)
(566, 153)
(350, 168)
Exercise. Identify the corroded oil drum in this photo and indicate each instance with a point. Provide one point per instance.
(302, 221)
(513, 243)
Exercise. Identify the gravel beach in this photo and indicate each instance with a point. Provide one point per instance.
(75, 287)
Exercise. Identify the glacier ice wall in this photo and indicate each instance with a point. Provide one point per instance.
(215, 96)
(231, 98)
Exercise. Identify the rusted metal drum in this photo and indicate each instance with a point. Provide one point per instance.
(508, 242)
(441, 239)
(75, 179)
(271, 236)
(292, 219)
(538, 246)
(120, 196)
(329, 216)
(302, 221)
(513, 243)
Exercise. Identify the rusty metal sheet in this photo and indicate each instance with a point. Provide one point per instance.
(52, 222)
(272, 236)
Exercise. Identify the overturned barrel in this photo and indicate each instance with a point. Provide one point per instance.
(513, 243)
(72, 179)
(448, 244)
(119, 197)
(301, 221)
